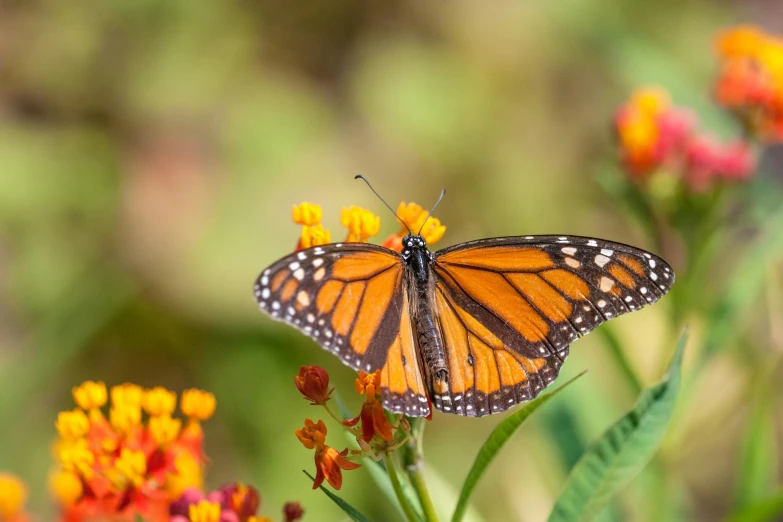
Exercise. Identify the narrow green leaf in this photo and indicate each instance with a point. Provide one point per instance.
(758, 456)
(770, 510)
(342, 504)
(494, 443)
(625, 448)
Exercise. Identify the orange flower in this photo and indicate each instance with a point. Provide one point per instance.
(329, 463)
(751, 79)
(241, 499)
(373, 416)
(313, 383)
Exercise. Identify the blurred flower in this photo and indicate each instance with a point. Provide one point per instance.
(329, 463)
(197, 404)
(159, 401)
(751, 79)
(650, 131)
(707, 161)
(313, 233)
(313, 383)
(361, 224)
(204, 511)
(241, 499)
(13, 495)
(373, 416)
(90, 395)
(292, 511)
(123, 467)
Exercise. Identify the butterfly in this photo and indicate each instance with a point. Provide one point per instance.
(477, 327)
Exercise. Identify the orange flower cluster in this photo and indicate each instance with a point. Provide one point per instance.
(122, 466)
(363, 224)
(654, 135)
(372, 429)
(751, 79)
(13, 495)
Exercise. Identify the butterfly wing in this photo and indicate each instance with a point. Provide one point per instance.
(348, 297)
(509, 307)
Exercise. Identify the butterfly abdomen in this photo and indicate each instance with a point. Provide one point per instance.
(430, 342)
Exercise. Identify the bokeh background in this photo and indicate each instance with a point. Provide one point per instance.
(150, 153)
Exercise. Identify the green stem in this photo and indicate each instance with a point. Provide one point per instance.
(410, 515)
(413, 462)
(616, 348)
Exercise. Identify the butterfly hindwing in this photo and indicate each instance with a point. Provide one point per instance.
(346, 296)
(402, 385)
(484, 375)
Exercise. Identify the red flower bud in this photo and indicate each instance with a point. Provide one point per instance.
(313, 383)
(292, 511)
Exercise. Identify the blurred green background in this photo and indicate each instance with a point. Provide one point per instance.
(150, 152)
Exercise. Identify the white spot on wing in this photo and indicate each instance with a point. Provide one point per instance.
(601, 260)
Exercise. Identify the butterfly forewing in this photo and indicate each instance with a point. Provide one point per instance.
(346, 296)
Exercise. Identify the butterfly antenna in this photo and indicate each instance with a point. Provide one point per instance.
(382, 200)
(442, 193)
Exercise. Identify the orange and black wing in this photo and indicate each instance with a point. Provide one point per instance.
(347, 296)
(402, 386)
(350, 298)
(508, 309)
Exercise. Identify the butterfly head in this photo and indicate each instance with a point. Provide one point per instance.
(412, 244)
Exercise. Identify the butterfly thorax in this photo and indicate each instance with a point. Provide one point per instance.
(417, 259)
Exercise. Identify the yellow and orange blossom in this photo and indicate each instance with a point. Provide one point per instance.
(373, 416)
(313, 232)
(361, 224)
(329, 463)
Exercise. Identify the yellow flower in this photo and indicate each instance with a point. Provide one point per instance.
(72, 425)
(126, 395)
(13, 495)
(90, 395)
(306, 214)
(651, 101)
(77, 457)
(163, 429)
(66, 487)
(204, 511)
(129, 469)
(159, 401)
(124, 417)
(188, 474)
(314, 236)
(197, 404)
(361, 224)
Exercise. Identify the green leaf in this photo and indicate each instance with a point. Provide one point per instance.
(625, 448)
(770, 510)
(494, 443)
(758, 456)
(342, 504)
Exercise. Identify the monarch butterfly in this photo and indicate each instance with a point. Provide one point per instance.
(476, 328)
